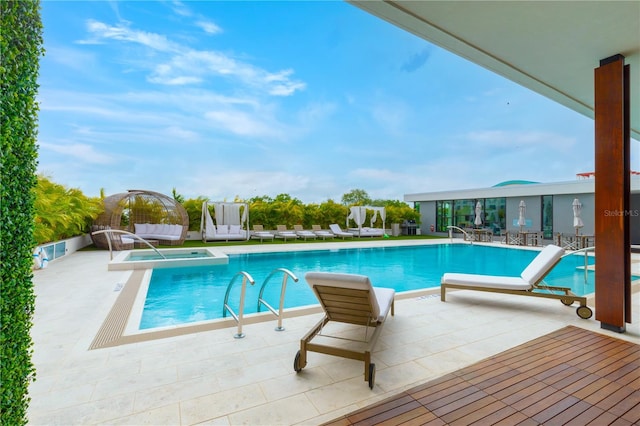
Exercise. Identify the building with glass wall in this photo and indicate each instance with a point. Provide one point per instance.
(548, 207)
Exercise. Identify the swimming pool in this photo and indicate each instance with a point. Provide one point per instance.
(186, 295)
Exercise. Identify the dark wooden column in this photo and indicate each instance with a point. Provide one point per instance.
(612, 196)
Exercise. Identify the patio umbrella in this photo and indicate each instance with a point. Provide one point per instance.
(478, 219)
(577, 210)
(522, 208)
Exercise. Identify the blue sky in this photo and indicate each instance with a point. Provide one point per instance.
(312, 99)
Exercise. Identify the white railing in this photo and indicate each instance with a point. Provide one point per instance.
(586, 259)
(467, 236)
(131, 234)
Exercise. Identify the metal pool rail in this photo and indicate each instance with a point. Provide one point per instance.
(247, 277)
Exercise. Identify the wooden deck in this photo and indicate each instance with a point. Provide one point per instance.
(569, 377)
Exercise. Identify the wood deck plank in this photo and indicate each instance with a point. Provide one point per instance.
(569, 377)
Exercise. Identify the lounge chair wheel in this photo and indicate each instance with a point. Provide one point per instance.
(296, 363)
(567, 302)
(372, 375)
(584, 312)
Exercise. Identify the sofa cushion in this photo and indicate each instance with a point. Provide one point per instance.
(176, 230)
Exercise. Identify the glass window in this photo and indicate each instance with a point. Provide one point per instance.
(547, 216)
(464, 213)
(495, 214)
(443, 215)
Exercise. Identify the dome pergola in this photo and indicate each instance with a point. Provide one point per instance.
(126, 210)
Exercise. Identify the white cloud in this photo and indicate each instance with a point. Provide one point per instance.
(209, 27)
(180, 9)
(240, 123)
(225, 184)
(85, 153)
(122, 32)
(186, 66)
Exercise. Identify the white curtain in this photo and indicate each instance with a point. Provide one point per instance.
(231, 213)
(358, 215)
(206, 223)
(378, 210)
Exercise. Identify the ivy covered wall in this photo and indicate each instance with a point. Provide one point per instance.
(20, 51)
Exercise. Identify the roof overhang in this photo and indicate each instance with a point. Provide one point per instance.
(582, 186)
(550, 47)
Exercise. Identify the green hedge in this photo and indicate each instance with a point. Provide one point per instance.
(20, 51)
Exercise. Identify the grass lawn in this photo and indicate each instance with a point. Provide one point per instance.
(276, 241)
(199, 243)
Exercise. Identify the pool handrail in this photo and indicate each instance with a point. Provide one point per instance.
(261, 301)
(120, 231)
(452, 227)
(586, 258)
(225, 307)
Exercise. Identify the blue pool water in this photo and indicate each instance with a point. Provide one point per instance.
(185, 295)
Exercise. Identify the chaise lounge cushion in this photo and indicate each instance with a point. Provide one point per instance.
(542, 263)
(381, 298)
(493, 281)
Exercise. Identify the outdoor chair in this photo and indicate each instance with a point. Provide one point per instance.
(529, 283)
(348, 299)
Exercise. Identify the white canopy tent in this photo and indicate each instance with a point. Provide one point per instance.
(359, 214)
(229, 218)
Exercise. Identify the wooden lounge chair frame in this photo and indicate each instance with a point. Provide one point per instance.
(346, 304)
(533, 288)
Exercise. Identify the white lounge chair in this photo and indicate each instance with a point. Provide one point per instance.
(324, 234)
(259, 233)
(350, 299)
(338, 232)
(527, 284)
(284, 233)
(303, 233)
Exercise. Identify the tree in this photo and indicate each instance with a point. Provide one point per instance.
(193, 206)
(356, 197)
(178, 197)
(61, 212)
(290, 210)
(20, 51)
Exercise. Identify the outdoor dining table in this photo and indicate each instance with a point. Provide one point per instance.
(482, 235)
